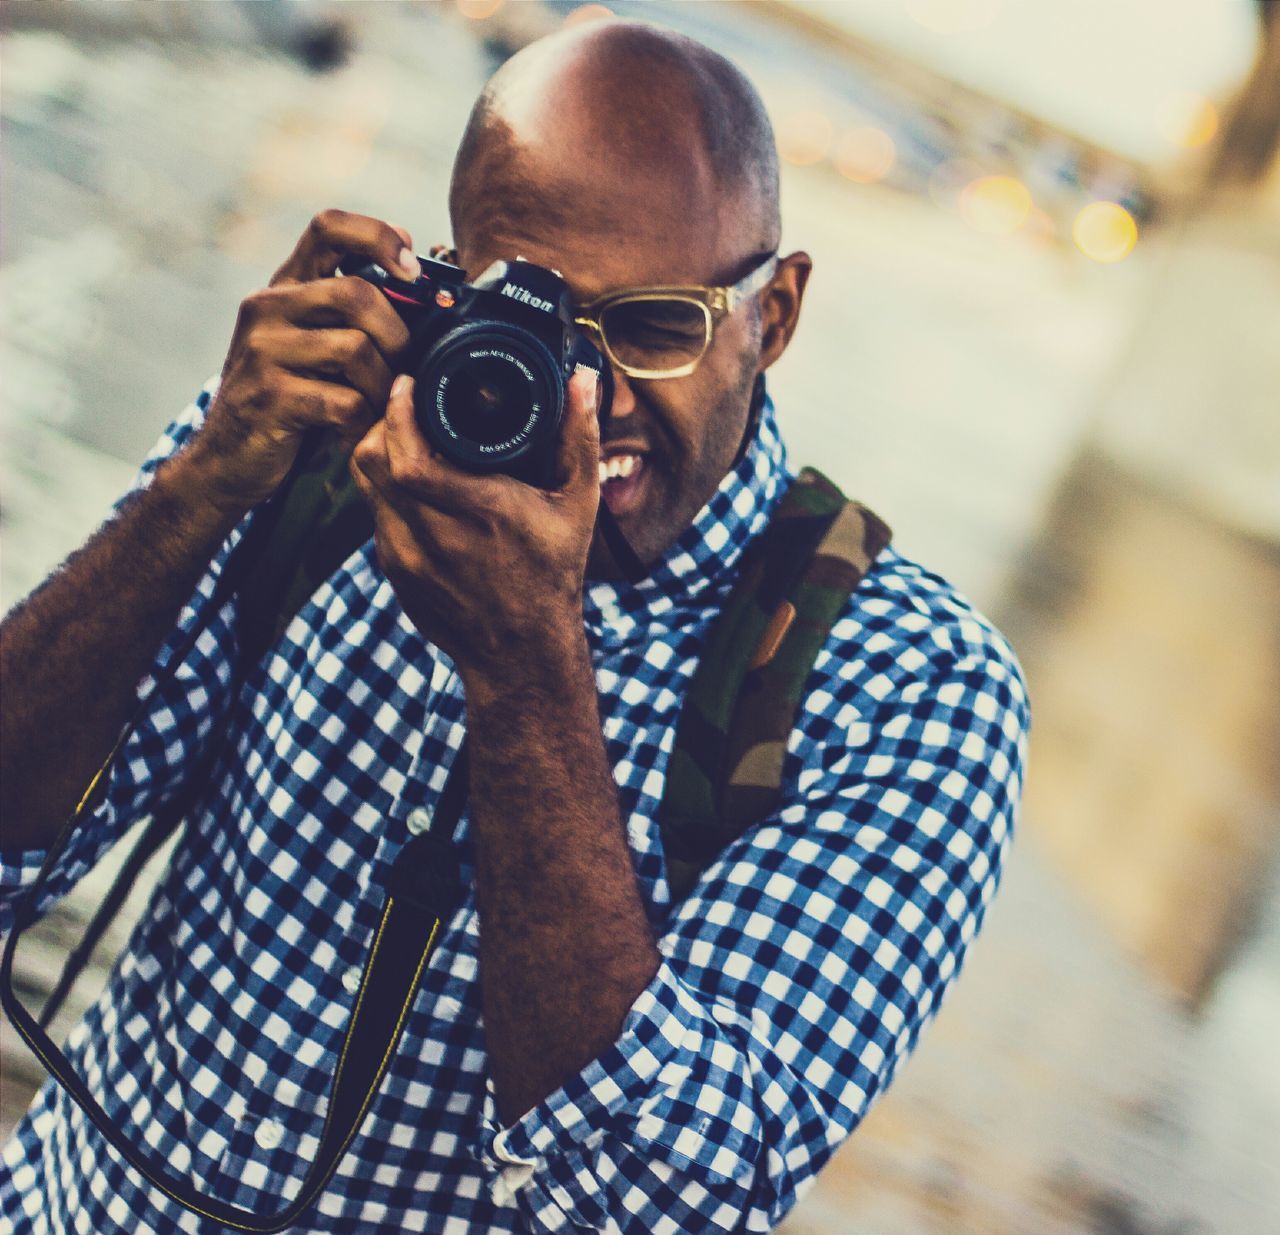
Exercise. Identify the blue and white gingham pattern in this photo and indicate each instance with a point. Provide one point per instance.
(794, 980)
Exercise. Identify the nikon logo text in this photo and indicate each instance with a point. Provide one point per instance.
(524, 297)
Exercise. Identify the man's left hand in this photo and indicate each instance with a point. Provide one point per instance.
(488, 568)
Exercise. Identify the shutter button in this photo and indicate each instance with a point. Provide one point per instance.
(419, 821)
(268, 1134)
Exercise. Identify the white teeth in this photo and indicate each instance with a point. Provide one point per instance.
(618, 467)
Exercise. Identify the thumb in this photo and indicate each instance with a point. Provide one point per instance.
(578, 461)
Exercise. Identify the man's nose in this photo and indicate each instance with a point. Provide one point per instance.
(624, 395)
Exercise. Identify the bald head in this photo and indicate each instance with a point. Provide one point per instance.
(578, 129)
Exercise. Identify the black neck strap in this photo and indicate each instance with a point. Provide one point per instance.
(624, 556)
(423, 891)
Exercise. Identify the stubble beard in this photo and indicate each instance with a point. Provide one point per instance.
(673, 501)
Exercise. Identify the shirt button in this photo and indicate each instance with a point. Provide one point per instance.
(351, 980)
(419, 820)
(502, 1151)
(269, 1133)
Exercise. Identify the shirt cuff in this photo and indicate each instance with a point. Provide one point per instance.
(663, 1023)
(674, 1090)
(19, 867)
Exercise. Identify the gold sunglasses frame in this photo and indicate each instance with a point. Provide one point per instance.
(715, 303)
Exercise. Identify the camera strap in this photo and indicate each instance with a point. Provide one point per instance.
(624, 556)
(422, 892)
(790, 590)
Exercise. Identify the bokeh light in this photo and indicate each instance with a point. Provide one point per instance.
(998, 205)
(478, 10)
(804, 137)
(865, 155)
(1040, 226)
(588, 12)
(1105, 231)
(1188, 120)
(949, 178)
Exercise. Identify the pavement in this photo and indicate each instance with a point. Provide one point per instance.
(156, 173)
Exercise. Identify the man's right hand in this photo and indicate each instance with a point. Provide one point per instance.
(308, 351)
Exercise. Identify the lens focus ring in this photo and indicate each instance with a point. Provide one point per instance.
(488, 393)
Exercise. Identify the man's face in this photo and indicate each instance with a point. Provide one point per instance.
(668, 442)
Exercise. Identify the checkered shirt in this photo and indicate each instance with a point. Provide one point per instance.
(794, 980)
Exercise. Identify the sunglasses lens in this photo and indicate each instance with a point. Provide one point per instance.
(655, 334)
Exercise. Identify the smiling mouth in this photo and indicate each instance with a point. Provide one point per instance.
(622, 476)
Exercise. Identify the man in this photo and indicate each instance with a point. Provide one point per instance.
(580, 1055)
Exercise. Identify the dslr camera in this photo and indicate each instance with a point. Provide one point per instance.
(490, 362)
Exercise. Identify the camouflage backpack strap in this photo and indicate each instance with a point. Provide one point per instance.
(322, 520)
(725, 772)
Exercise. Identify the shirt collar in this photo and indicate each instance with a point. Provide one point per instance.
(706, 552)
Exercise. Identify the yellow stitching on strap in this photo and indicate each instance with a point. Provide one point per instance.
(391, 1044)
(369, 1097)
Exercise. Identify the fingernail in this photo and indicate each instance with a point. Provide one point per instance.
(409, 264)
(401, 386)
(594, 397)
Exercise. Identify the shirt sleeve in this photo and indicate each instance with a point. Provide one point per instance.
(799, 973)
(180, 712)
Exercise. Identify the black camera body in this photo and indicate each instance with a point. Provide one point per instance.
(490, 362)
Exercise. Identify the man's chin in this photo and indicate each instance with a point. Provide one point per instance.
(625, 500)
(601, 565)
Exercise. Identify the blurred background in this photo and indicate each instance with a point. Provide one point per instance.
(1042, 340)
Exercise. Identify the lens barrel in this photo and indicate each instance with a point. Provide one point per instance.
(488, 394)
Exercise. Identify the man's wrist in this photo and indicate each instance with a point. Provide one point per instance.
(543, 670)
(185, 482)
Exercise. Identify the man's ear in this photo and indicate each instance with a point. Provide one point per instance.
(780, 306)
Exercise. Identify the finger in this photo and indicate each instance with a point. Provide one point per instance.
(310, 403)
(349, 302)
(369, 460)
(402, 529)
(578, 454)
(299, 378)
(408, 454)
(373, 456)
(334, 234)
(394, 538)
(349, 355)
(426, 473)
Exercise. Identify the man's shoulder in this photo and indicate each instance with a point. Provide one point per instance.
(906, 630)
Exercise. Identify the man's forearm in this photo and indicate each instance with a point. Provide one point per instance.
(565, 946)
(71, 655)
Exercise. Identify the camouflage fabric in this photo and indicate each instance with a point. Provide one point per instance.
(320, 522)
(726, 769)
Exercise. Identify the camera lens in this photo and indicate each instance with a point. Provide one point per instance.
(487, 394)
(490, 396)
